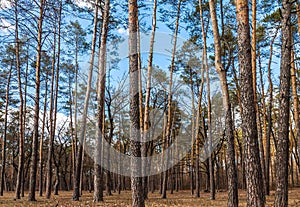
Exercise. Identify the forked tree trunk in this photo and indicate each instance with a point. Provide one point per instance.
(255, 194)
(282, 151)
(230, 150)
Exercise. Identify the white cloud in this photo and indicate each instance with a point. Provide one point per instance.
(4, 4)
(123, 31)
(5, 26)
(82, 3)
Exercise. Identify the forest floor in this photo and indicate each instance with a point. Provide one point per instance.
(182, 198)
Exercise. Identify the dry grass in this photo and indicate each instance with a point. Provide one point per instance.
(182, 198)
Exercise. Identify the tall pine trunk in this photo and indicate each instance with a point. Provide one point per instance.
(21, 120)
(34, 155)
(282, 151)
(98, 182)
(230, 150)
(255, 193)
(135, 144)
(169, 121)
(147, 98)
(3, 158)
(79, 151)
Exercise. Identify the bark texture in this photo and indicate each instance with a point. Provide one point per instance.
(135, 144)
(230, 151)
(255, 194)
(282, 152)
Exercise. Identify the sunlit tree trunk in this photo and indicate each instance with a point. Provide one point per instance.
(255, 194)
(295, 101)
(135, 144)
(147, 96)
(98, 182)
(230, 151)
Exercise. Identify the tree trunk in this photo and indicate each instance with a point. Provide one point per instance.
(51, 119)
(254, 84)
(255, 195)
(135, 145)
(282, 151)
(78, 162)
(269, 119)
(230, 151)
(98, 182)
(3, 159)
(34, 155)
(21, 120)
(42, 139)
(169, 121)
(295, 102)
(147, 97)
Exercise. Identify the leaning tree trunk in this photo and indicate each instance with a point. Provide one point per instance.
(78, 162)
(282, 152)
(135, 145)
(98, 182)
(255, 194)
(230, 151)
(34, 155)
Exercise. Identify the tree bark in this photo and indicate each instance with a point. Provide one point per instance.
(269, 119)
(135, 144)
(255, 195)
(42, 139)
(78, 162)
(282, 151)
(34, 155)
(295, 101)
(230, 151)
(3, 158)
(147, 96)
(169, 121)
(98, 182)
